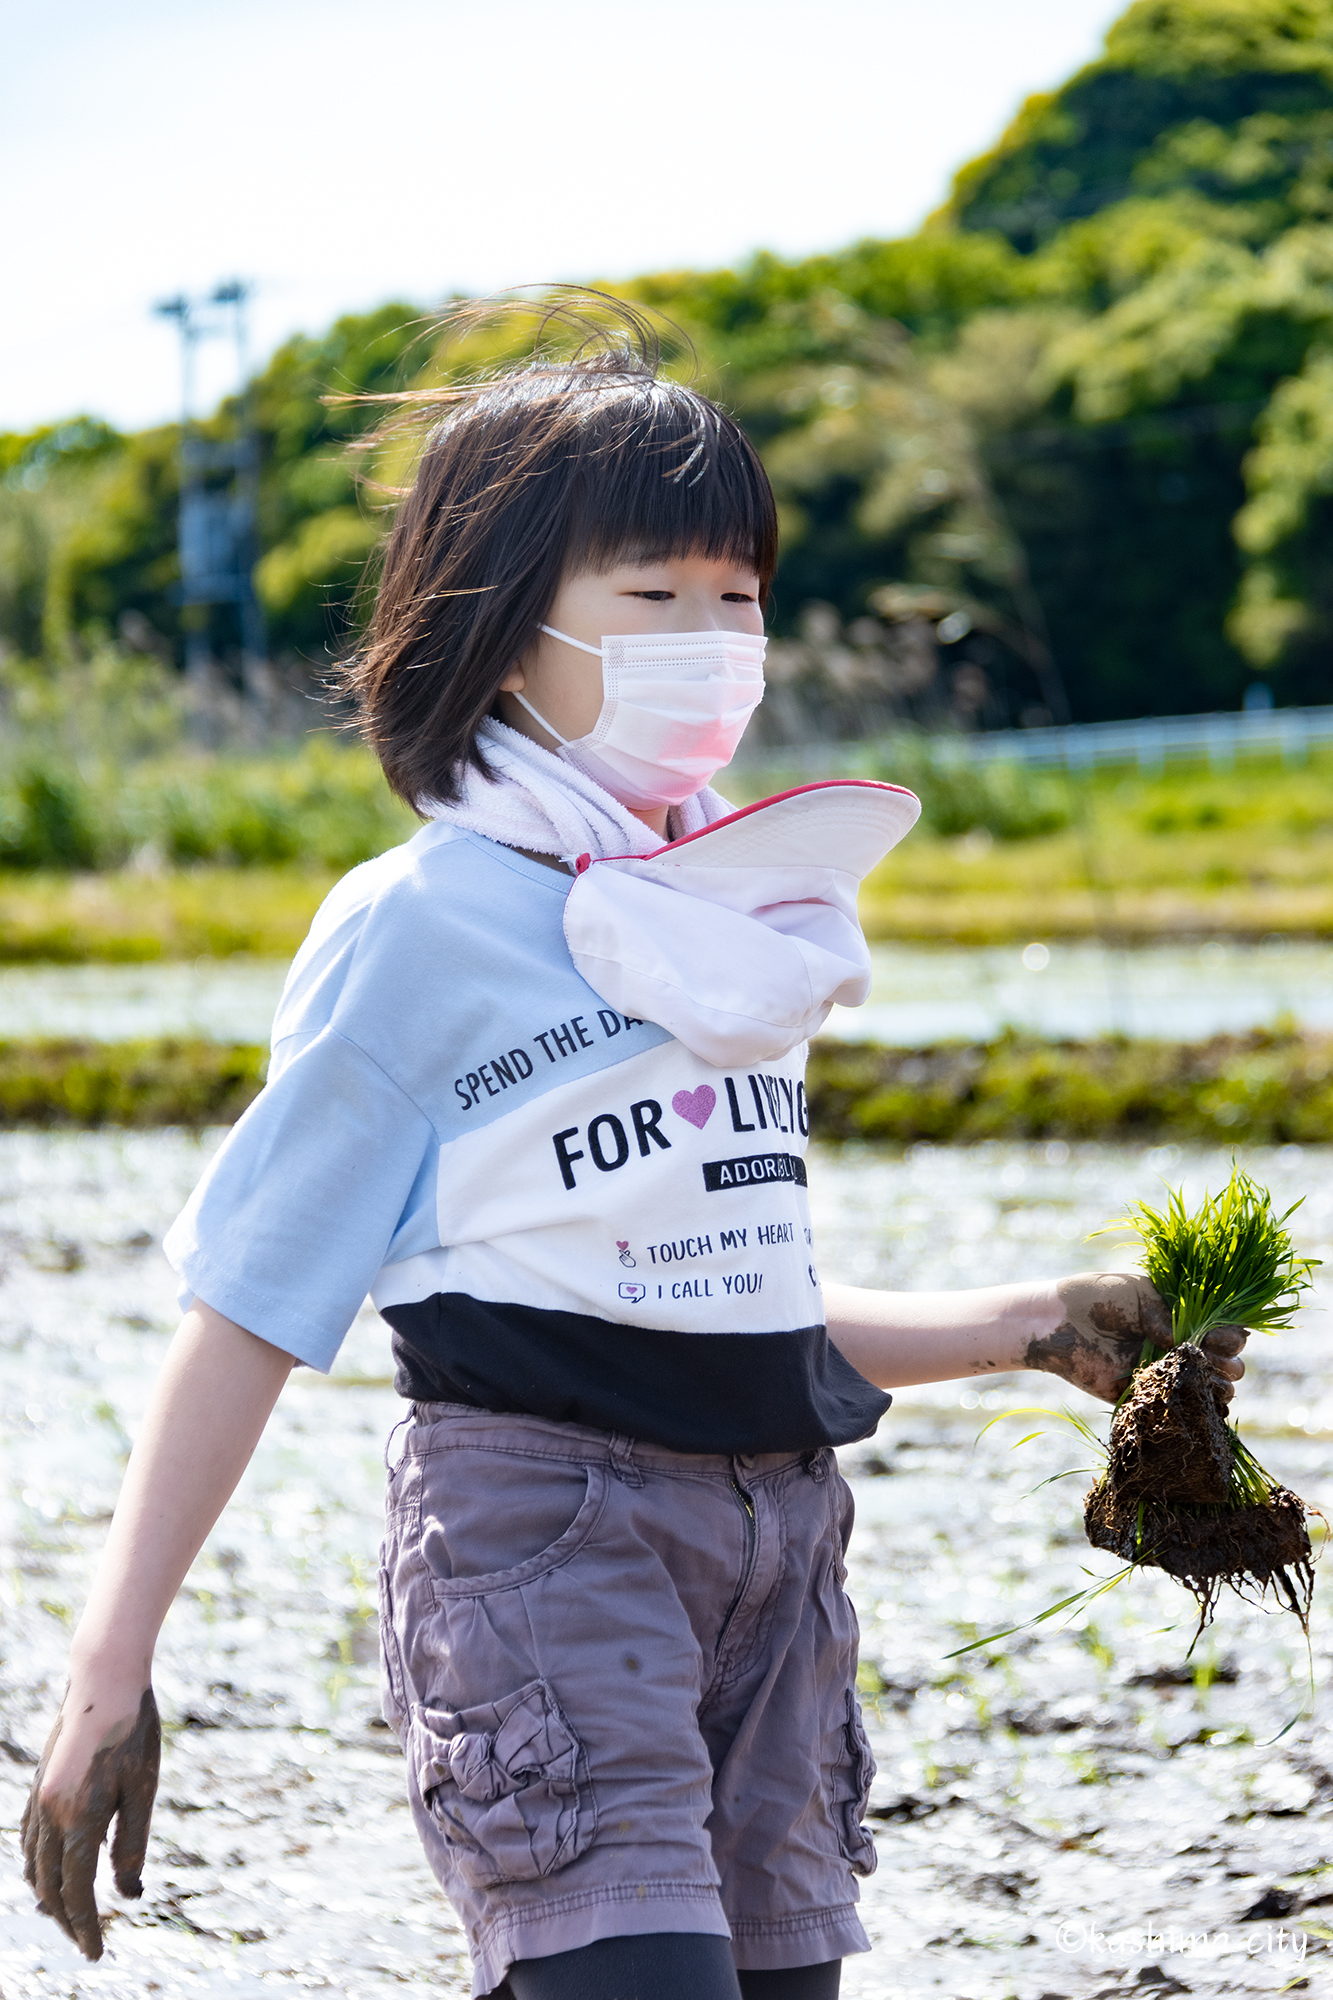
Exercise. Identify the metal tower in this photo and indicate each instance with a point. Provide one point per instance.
(219, 490)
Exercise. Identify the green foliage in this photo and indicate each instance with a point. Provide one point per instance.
(760, 316)
(88, 520)
(996, 857)
(323, 805)
(1198, 150)
(325, 553)
(165, 1082)
(112, 707)
(326, 805)
(1224, 38)
(1007, 801)
(1231, 1263)
(137, 914)
(46, 820)
(308, 573)
(1171, 68)
(1266, 1088)
(1010, 1089)
(97, 771)
(1093, 396)
(1169, 214)
(46, 482)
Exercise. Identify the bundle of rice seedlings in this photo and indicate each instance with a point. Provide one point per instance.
(1181, 1491)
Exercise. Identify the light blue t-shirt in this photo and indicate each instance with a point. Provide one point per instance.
(536, 1190)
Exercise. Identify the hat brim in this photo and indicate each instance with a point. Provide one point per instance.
(845, 823)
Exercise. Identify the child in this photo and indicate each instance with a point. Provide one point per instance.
(541, 1094)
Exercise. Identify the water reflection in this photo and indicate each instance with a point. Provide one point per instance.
(921, 994)
(1181, 992)
(224, 999)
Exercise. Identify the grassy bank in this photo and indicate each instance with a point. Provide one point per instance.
(1254, 1089)
(961, 892)
(135, 915)
(934, 892)
(1246, 853)
(1257, 1089)
(162, 1082)
(1188, 852)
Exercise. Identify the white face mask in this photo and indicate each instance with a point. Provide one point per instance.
(674, 707)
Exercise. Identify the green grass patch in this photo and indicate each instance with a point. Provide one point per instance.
(168, 1081)
(223, 855)
(324, 804)
(1133, 855)
(133, 916)
(1262, 1089)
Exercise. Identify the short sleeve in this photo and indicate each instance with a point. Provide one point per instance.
(288, 1227)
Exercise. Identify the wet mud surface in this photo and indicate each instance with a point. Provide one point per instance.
(1070, 1812)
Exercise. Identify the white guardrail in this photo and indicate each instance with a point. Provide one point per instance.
(1150, 742)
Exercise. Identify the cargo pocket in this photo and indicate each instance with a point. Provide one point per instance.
(508, 1785)
(852, 1773)
(393, 1699)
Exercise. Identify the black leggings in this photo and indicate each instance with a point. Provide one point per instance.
(665, 1965)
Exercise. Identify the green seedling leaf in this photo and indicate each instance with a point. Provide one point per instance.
(1231, 1263)
(1078, 1597)
(1062, 1415)
(1035, 1410)
(1068, 1473)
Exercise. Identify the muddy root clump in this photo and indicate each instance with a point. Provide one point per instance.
(1169, 1499)
(1169, 1438)
(1254, 1550)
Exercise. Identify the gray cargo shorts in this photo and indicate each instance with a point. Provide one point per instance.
(624, 1681)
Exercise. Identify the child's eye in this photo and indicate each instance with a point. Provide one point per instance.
(737, 597)
(654, 596)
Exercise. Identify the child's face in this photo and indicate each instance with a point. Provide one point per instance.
(678, 594)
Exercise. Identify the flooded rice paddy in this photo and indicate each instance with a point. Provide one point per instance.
(921, 994)
(223, 999)
(1071, 1812)
(1176, 992)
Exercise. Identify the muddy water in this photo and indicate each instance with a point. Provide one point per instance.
(1056, 1815)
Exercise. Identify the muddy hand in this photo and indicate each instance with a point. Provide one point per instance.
(1222, 1347)
(1106, 1317)
(64, 1825)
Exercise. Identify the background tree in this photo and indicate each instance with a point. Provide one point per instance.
(1087, 411)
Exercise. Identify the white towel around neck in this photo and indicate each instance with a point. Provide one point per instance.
(540, 802)
(740, 951)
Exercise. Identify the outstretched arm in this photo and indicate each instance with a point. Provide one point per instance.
(1089, 1328)
(216, 1391)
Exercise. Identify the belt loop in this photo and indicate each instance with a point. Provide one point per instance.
(816, 1464)
(622, 1461)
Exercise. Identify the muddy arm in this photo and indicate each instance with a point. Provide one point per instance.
(1089, 1328)
(208, 1408)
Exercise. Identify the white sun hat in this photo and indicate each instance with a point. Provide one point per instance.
(739, 939)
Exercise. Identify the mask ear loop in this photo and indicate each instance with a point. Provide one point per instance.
(571, 642)
(537, 716)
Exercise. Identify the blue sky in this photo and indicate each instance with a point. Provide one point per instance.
(338, 155)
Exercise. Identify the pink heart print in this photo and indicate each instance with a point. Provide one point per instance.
(696, 1106)
(622, 1246)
